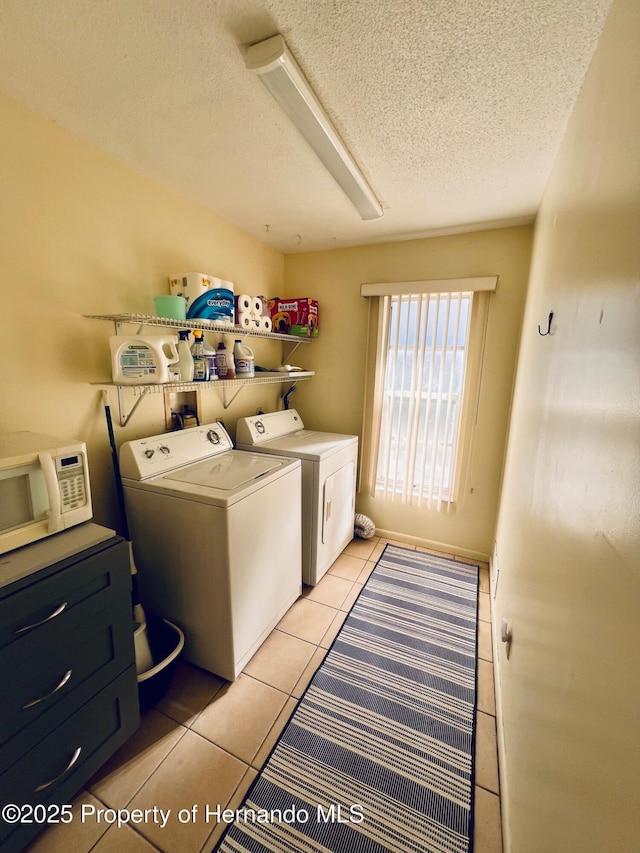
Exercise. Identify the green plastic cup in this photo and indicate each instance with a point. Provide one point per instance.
(174, 307)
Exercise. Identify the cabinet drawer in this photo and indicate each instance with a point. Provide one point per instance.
(48, 685)
(55, 769)
(39, 609)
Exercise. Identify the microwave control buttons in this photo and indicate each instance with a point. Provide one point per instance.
(72, 492)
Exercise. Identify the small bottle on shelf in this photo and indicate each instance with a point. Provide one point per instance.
(225, 362)
(210, 355)
(200, 361)
(185, 362)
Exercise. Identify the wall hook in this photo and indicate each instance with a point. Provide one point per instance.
(548, 332)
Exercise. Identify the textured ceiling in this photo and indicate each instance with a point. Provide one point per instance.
(453, 108)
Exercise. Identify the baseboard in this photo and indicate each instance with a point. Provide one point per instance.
(442, 547)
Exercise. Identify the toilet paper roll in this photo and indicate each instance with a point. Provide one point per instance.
(265, 324)
(245, 320)
(244, 303)
(256, 306)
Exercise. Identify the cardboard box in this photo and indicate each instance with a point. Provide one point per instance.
(297, 316)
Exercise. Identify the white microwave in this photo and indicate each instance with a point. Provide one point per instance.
(44, 487)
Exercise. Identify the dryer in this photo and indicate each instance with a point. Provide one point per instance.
(203, 519)
(329, 465)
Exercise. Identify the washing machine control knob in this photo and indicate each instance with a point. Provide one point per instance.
(149, 452)
(213, 437)
(164, 449)
(260, 428)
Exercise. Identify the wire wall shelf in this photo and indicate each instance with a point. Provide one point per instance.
(225, 385)
(230, 387)
(261, 378)
(205, 325)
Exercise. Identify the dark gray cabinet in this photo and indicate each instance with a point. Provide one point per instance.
(68, 691)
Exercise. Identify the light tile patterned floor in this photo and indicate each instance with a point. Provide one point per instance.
(205, 742)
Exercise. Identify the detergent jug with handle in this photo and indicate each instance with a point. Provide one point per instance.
(243, 356)
(143, 359)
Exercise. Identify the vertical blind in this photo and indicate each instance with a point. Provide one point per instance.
(422, 346)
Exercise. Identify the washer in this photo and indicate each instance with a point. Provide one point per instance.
(329, 464)
(216, 537)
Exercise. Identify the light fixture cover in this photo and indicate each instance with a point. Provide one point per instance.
(280, 73)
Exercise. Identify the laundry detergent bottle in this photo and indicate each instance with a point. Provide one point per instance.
(143, 359)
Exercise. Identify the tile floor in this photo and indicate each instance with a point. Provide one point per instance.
(205, 742)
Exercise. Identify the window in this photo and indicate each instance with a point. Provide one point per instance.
(425, 356)
(423, 352)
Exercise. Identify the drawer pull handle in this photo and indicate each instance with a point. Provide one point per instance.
(64, 680)
(51, 616)
(74, 758)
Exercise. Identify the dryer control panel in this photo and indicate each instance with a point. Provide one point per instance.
(159, 454)
(259, 428)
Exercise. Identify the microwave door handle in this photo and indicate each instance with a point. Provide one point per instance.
(56, 522)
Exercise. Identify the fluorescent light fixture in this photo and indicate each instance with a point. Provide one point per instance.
(280, 73)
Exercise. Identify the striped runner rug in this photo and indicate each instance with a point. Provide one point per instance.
(378, 755)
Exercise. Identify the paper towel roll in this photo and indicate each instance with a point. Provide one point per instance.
(244, 303)
(189, 285)
(245, 320)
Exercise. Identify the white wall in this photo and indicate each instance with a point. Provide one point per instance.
(568, 538)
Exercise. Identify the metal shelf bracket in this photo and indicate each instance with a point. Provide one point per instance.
(227, 399)
(285, 357)
(122, 408)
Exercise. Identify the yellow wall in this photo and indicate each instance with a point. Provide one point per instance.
(333, 400)
(82, 234)
(568, 540)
